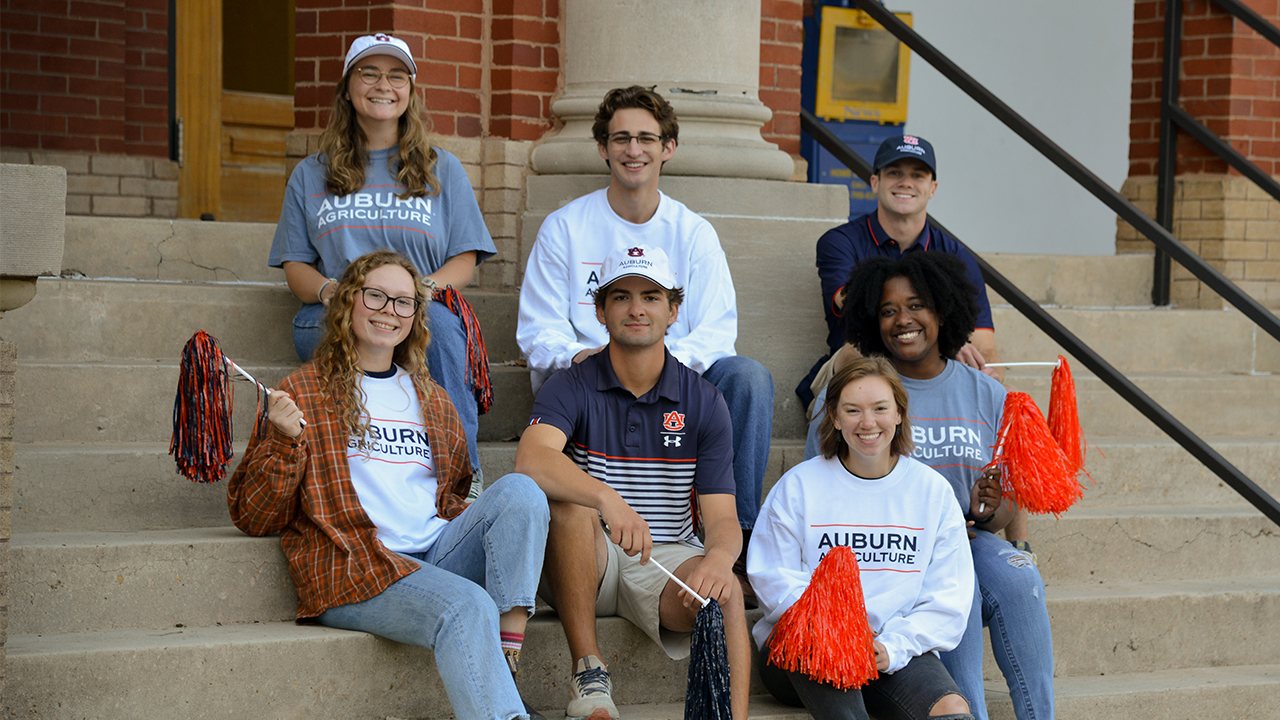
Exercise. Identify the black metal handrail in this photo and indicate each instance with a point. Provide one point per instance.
(1173, 118)
(1073, 345)
(1162, 238)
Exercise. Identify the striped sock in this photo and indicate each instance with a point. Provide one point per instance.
(511, 643)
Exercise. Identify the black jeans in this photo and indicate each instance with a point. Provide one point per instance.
(907, 694)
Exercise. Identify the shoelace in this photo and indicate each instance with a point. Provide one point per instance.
(592, 680)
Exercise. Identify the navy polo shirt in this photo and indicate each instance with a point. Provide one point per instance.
(655, 450)
(841, 248)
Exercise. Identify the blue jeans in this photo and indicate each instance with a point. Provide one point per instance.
(747, 388)
(446, 361)
(1012, 606)
(486, 562)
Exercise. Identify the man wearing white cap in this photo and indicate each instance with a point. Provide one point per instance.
(636, 132)
(620, 443)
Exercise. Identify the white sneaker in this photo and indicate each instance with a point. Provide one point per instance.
(590, 688)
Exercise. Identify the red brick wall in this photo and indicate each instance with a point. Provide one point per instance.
(526, 67)
(86, 75)
(1230, 82)
(781, 41)
(146, 77)
(90, 75)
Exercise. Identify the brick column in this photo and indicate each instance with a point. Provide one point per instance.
(1229, 83)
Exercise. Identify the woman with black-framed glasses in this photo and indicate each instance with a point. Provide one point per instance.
(378, 183)
(369, 497)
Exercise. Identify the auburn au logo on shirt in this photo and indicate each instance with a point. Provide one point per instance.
(673, 420)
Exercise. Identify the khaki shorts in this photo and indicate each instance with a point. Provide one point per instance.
(634, 591)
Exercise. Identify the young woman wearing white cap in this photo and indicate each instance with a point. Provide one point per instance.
(378, 183)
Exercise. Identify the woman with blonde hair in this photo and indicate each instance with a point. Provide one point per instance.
(896, 514)
(364, 473)
(378, 183)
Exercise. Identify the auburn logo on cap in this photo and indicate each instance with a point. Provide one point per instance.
(673, 420)
(908, 139)
(635, 252)
(383, 38)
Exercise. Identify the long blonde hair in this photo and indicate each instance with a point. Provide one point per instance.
(343, 154)
(337, 358)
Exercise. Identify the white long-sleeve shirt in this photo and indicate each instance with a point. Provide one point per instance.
(557, 312)
(908, 535)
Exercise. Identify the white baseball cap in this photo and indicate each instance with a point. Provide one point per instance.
(641, 260)
(380, 44)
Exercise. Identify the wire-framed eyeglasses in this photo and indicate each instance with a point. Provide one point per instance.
(375, 300)
(647, 140)
(371, 76)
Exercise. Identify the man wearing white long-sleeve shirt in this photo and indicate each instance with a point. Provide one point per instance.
(636, 131)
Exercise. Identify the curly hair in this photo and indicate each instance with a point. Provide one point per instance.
(337, 358)
(344, 157)
(830, 440)
(938, 278)
(635, 97)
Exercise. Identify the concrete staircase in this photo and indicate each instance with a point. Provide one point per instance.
(133, 597)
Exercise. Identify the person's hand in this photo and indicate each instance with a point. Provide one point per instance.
(710, 579)
(882, 656)
(971, 356)
(626, 528)
(284, 413)
(986, 495)
(584, 354)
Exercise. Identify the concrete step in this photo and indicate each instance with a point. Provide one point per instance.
(294, 671)
(154, 249)
(78, 582)
(146, 320)
(1220, 406)
(1146, 340)
(123, 487)
(1241, 692)
(1108, 628)
(152, 673)
(1155, 543)
(75, 582)
(1077, 280)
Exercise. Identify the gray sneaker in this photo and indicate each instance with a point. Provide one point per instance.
(590, 688)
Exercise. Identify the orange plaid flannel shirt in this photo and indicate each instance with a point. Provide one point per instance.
(301, 488)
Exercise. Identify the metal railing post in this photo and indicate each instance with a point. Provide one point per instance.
(1167, 160)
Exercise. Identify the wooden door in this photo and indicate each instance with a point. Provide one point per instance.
(235, 107)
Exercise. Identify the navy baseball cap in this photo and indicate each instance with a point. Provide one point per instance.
(905, 146)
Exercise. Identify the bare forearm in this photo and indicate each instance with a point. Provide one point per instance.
(306, 282)
(456, 271)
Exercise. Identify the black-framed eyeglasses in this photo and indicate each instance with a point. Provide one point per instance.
(375, 300)
(371, 76)
(647, 140)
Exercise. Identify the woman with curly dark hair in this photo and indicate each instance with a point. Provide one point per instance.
(379, 184)
(918, 313)
(364, 473)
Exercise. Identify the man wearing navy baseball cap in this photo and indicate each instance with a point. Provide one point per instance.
(904, 179)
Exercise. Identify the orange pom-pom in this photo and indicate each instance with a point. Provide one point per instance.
(825, 634)
(1035, 471)
(1064, 416)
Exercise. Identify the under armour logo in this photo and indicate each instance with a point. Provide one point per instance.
(670, 440)
(635, 252)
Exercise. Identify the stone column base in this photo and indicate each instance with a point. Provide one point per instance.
(1228, 221)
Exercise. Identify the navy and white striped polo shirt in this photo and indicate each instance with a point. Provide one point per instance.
(652, 449)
